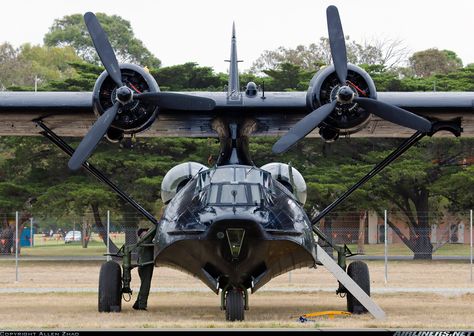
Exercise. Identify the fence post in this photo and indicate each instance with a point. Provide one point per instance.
(386, 246)
(16, 246)
(31, 233)
(470, 231)
(108, 235)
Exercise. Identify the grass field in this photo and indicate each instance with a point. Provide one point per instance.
(278, 305)
(201, 310)
(402, 249)
(46, 246)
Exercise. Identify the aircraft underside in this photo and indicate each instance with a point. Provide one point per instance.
(248, 259)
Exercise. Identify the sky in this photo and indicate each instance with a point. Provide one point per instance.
(178, 31)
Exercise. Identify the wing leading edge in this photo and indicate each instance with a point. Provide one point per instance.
(71, 113)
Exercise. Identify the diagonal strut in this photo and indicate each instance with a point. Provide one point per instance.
(404, 146)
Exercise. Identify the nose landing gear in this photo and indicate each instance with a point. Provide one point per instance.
(234, 302)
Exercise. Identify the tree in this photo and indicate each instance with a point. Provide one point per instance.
(71, 31)
(187, 76)
(384, 79)
(389, 53)
(409, 189)
(386, 52)
(9, 65)
(309, 58)
(83, 79)
(458, 186)
(287, 76)
(22, 67)
(433, 61)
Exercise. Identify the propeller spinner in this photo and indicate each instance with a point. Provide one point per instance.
(345, 95)
(124, 95)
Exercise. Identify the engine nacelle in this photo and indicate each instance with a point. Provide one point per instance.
(133, 117)
(346, 118)
(289, 177)
(177, 177)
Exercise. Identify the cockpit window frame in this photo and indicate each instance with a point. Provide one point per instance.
(248, 194)
(239, 174)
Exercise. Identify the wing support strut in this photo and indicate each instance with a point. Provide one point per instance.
(125, 251)
(407, 144)
(350, 284)
(343, 251)
(339, 269)
(58, 141)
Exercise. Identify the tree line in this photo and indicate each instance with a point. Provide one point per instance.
(67, 61)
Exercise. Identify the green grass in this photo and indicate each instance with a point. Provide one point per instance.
(53, 247)
(72, 249)
(39, 240)
(401, 249)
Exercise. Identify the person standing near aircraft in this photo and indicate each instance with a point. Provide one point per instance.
(145, 254)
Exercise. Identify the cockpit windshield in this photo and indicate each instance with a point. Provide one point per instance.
(234, 194)
(231, 186)
(235, 175)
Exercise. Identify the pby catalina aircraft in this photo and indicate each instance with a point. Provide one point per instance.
(234, 226)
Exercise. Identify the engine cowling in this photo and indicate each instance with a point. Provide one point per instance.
(290, 177)
(346, 118)
(133, 117)
(177, 177)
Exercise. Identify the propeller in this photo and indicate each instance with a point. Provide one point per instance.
(124, 95)
(90, 141)
(345, 95)
(103, 47)
(303, 128)
(337, 43)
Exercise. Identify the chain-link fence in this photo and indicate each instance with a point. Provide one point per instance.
(364, 232)
(44, 236)
(385, 237)
(424, 237)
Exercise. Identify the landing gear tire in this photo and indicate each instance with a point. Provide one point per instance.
(234, 305)
(110, 287)
(359, 272)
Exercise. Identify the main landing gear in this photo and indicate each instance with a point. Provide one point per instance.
(359, 272)
(110, 287)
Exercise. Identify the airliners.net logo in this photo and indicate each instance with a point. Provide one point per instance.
(433, 333)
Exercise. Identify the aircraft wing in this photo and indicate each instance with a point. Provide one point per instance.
(71, 113)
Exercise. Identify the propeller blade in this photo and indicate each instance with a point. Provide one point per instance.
(103, 47)
(92, 138)
(337, 43)
(177, 101)
(303, 127)
(395, 114)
